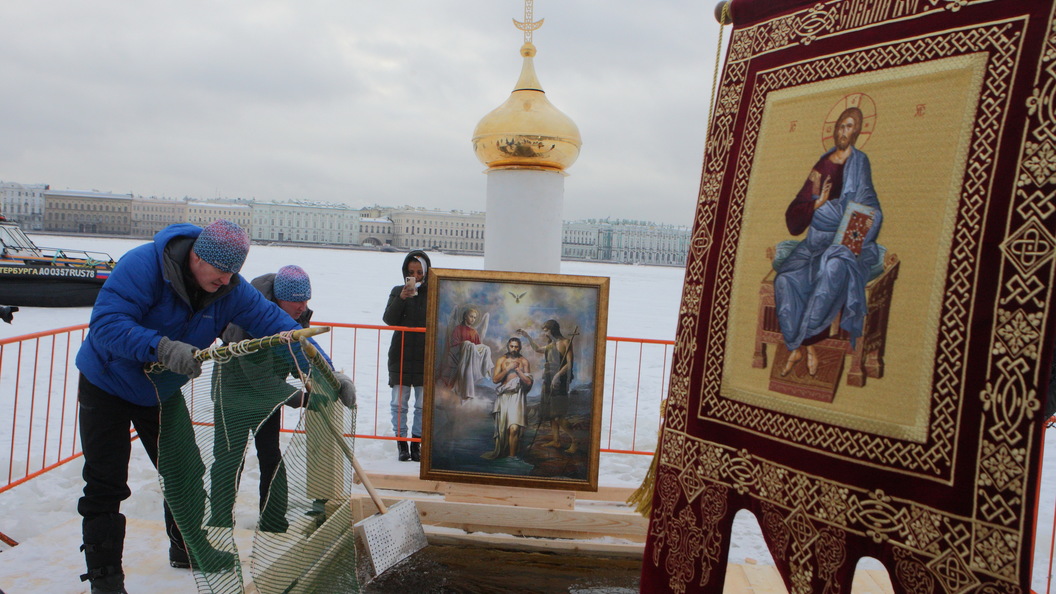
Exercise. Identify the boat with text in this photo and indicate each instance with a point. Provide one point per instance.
(48, 277)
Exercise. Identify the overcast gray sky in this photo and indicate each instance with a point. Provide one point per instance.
(362, 102)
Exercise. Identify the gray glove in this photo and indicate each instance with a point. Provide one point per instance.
(179, 357)
(346, 390)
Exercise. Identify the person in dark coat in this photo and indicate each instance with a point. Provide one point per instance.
(165, 300)
(406, 307)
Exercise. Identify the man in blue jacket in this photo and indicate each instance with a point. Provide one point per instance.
(163, 301)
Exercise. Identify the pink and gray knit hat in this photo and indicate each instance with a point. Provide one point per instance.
(224, 245)
(292, 284)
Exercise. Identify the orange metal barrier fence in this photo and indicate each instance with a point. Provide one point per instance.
(38, 403)
(38, 393)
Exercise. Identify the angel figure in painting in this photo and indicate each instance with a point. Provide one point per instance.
(466, 359)
(826, 273)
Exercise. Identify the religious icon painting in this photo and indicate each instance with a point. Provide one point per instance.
(515, 367)
(867, 318)
(833, 231)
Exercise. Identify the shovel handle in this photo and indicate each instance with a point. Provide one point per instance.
(313, 354)
(359, 469)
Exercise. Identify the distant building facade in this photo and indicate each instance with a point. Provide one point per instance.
(316, 223)
(450, 231)
(73, 211)
(328, 224)
(376, 231)
(204, 213)
(626, 242)
(23, 203)
(150, 215)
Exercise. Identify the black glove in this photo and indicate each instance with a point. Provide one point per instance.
(7, 312)
(346, 390)
(179, 357)
(298, 399)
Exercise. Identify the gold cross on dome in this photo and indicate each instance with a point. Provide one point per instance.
(528, 26)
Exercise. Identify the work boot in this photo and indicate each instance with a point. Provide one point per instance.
(405, 453)
(178, 556)
(416, 451)
(209, 561)
(112, 583)
(104, 540)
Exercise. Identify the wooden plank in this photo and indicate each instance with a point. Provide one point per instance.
(525, 521)
(515, 496)
(535, 545)
(871, 581)
(622, 525)
(736, 581)
(403, 482)
(615, 494)
(764, 578)
(406, 482)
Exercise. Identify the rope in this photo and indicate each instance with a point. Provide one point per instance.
(724, 19)
(224, 352)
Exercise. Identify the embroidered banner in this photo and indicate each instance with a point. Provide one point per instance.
(866, 316)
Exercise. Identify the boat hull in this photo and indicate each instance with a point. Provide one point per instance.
(50, 286)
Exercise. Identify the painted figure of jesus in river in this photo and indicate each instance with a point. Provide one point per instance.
(513, 376)
(822, 277)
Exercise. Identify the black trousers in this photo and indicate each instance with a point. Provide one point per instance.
(231, 432)
(104, 425)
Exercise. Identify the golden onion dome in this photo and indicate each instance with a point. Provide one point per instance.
(527, 130)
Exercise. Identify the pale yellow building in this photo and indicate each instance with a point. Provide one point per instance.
(73, 211)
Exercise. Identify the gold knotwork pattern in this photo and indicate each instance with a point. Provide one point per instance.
(1017, 333)
(818, 20)
(1009, 399)
(934, 458)
(667, 489)
(830, 548)
(952, 573)
(713, 508)
(829, 19)
(913, 575)
(796, 507)
(686, 539)
(1029, 247)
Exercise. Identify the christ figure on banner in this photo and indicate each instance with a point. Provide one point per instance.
(826, 273)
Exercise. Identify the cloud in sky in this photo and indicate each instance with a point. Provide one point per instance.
(357, 102)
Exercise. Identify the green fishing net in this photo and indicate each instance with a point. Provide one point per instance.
(303, 540)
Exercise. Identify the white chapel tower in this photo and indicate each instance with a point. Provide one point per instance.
(527, 144)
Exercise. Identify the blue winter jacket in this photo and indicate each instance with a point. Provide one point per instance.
(145, 299)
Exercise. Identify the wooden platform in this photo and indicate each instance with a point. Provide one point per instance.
(597, 524)
(504, 516)
(568, 521)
